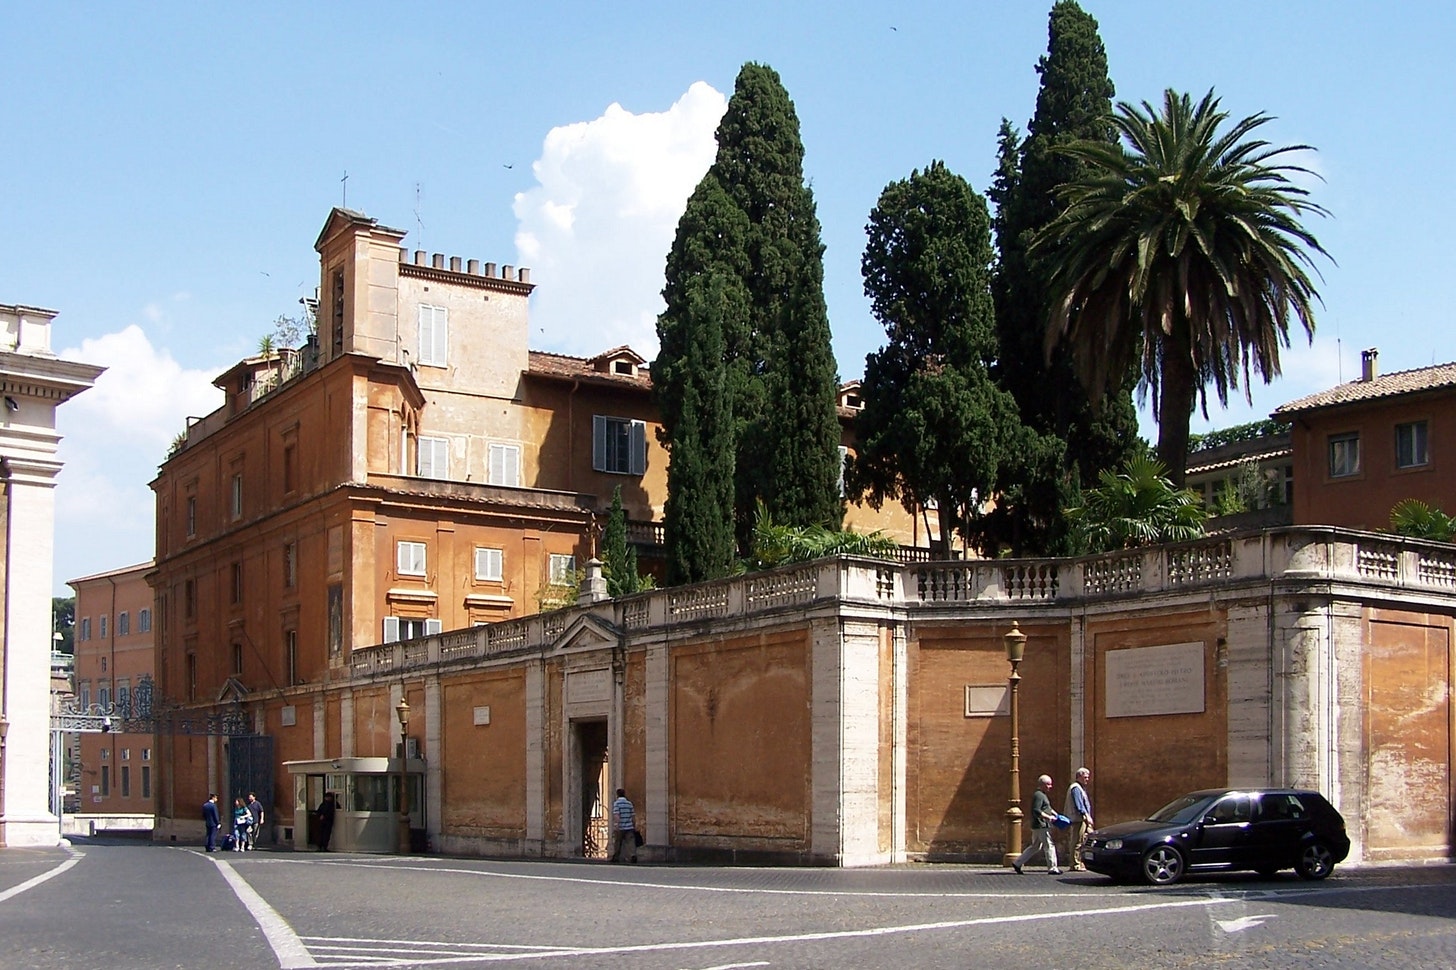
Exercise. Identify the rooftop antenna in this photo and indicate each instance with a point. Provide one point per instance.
(345, 180)
(419, 225)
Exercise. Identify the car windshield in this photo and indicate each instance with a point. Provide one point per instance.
(1181, 810)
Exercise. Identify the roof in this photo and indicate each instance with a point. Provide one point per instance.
(563, 367)
(1225, 461)
(1384, 386)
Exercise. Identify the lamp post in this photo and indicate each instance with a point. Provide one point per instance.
(402, 711)
(1015, 642)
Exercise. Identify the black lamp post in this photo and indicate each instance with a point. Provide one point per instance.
(1015, 642)
(402, 711)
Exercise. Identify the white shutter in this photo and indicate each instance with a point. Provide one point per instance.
(488, 564)
(434, 458)
(639, 448)
(505, 465)
(434, 335)
(391, 629)
(432, 627)
(599, 443)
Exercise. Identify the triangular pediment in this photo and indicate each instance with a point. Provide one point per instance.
(585, 633)
(233, 690)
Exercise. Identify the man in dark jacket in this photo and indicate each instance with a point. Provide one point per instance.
(210, 821)
(325, 815)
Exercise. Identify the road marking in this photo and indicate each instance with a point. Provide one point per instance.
(34, 881)
(735, 966)
(1242, 923)
(287, 947)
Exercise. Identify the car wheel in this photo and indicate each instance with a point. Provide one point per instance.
(1163, 865)
(1315, 861)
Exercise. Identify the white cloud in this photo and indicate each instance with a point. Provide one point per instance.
(114, 436)
(597, 228)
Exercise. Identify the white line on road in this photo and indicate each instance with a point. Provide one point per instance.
(37, 880)
(735, 966)
(287, 947)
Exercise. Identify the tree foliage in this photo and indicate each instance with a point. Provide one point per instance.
(1416, 520)
(1137, 506)
(748, 261)
(935, 429)
(1181, 253)
(63, 621)
(777, 544)
(1073, 102)
(619, 558)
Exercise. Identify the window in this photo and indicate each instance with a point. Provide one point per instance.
(290, 565)
(563, 570)
(433, 459)
(1410, 445)
(289, 472)
(123, 700)
(434, 335)
(123, 624)
(237, 583)
(619, 445)
(237, 659)
(85, 694)
(410, 558)
(408, 628)
(191, 515)
(489, 564)
(103, 626)
(1234, 808)
(237, 496)
(103, 696)
(189, 598)
(85, 628)
(192, 676)
(1344, 454)
(146, 781)
(290, 656)
(146, 754)
(105, 777)
(505, 466)
(125, 781)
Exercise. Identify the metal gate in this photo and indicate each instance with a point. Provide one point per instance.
(250, 769)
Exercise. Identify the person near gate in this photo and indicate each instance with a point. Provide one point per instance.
(1079, 810)
(255, 808)
(242, 823)
(210, 820)
(624, 823)
(1042, 816)
(325, 815)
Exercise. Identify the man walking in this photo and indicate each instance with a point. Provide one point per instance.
(624, 822)
(1079, 810)
(255, 809)
(210, 820)
(1042, 817)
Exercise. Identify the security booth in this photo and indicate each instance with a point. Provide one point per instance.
(366, 799)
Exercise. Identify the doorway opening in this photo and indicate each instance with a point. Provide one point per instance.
(595, 778)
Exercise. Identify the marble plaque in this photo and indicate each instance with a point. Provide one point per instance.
(1145, 681)
(983, 700)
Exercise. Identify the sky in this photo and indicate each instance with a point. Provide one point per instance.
(168, 168)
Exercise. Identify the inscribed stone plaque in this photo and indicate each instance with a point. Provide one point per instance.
(983, 700)
(1144, 681)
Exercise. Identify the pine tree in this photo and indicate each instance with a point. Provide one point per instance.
(1073, 103)
(935, 427)
(619, 559)
(751, 225)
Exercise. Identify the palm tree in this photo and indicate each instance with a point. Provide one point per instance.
(1414, 518)
(1180, 251)
(1137, 506)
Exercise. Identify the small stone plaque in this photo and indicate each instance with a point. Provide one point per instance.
(482, 715)
(289, 715)
(1146, 681)
(988, 700)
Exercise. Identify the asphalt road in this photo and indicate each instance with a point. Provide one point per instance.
(116, 905)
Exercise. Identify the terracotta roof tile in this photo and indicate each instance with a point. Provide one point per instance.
(563, 367)
(1385, 385)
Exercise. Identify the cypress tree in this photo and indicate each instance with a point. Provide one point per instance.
(751, 225)
(619, 559)
(1074, 102)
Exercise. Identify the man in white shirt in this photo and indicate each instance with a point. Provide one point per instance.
(1079, 810)
(624, 824)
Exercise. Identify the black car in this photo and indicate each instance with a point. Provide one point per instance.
(1224, 829)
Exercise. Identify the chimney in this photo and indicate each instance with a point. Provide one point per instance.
(1367, 364)
(524, 274)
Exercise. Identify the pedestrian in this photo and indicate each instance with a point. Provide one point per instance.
(210, 820)
(1042, 817)
(242, 822)
(325, 816)
(255, 808)
(624, 822)
(1079, 810)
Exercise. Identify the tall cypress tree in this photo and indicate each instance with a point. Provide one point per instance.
(695, 382)
(1074, 102)
(778, 364)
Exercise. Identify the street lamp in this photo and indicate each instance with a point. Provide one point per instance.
(402, 711)
(1015, 642)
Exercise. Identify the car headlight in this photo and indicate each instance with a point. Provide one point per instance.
(1114, 844)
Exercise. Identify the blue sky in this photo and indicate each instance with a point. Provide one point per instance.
(168, 167)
